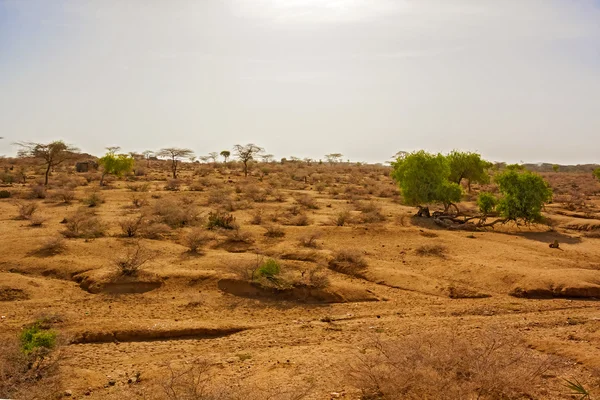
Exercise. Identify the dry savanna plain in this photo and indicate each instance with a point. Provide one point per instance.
(299, 281)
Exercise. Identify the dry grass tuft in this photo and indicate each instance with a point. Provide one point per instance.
(349, 262)
(432, 250)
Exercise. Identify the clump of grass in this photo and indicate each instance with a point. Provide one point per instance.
(177, 214)
(94, 199)
(130, 226)
(432, 250)
(349, 262)
(53, 246)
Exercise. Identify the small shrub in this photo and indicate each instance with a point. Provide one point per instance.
(349, 262)
(53, 246)
(298, 220)
(486, 202)
(177, 214)
(37, 192)
(236, 235)
(269, 269)
(139, 187)
(257, 216)
(4, 194)
(36, 339)
(274, 231)
(154, 231)
(36, 221)
(130, 226)
(341, 218)
(26, 210)
(173, 185)
(219, 219)
(65, 195)
(83, 224)
(94, 199)
(132, 261)
(196, 239)
(431, 250)
(310, 239)
(138, 201)
(307, 201)
(317, 278)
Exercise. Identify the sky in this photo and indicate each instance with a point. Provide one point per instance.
(516, 80)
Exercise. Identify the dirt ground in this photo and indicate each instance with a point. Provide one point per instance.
(121, 336)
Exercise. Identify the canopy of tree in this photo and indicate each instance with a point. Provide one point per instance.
(53, 153)
(523, 195)
(469, 166)
(115, 164)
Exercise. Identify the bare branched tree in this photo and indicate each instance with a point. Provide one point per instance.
(334, 157)
(246, 154)
(175, 154)
(213, 156)
(53, 153)
(147, 154)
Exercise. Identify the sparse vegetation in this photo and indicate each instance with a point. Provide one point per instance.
(349, 261)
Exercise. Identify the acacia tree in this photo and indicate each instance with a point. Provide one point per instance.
(246, 154)
(53, 153)
(423, 178)
(469, 166)
(147, 154)
(225, 154)
(523, 196)
(175, 154)
(213, 155)
(334, 157)
(115, 164)
(267, 158)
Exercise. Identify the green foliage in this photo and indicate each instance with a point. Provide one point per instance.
(597, 173)
(115, 164)
(555, 167)
(486, 202)
(577, 389)
(515, 167)
(523, 195)
(219, 219)
(269, 269)
(469, 166)
(424, 178)
(35, 337)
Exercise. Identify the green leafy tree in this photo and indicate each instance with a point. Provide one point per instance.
(225, 154)
(597, 173)
(53, 153)
(487, 203)
(115, 164)
(468, 166)
(555, 167)
(423, 178)
(523, 196)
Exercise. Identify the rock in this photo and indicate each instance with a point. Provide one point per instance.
(68, 393)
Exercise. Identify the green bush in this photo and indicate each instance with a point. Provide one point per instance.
(486, 202)
(269, 269)
(523, 195)
(219, 219)
(35, 337)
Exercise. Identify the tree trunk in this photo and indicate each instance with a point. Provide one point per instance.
(174, 169)
(102, 179)
(47, 174)
(245, 169)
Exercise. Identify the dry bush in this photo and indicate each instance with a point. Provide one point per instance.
(173, 185)
(316, 278)
(139, 187)
(255, 193)
(278, 196)
(196, 239)
(37, 192)
(341, 218)
(66, 196)
(274, 231)
(26, 210)
(93, 199)
(443, 365)
(310, 239)
(370, 212)
(257, 216)
(130, 263)
(237, 236)
(131, 225)
(53, 246)
(221, 220)
(138, 201)
(298, 220)
(154, 231)
(432, 250)
(177, 214)
(36, 221)
(83, 224)
(349, 262)
(307, 201)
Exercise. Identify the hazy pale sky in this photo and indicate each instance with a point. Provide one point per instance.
(513, 79)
